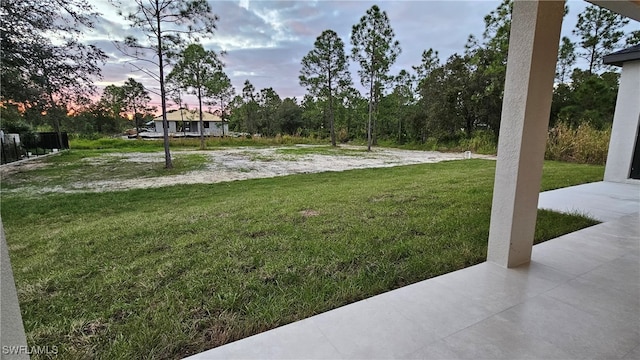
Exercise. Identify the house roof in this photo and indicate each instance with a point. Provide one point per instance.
(619, 57)
(188, 115)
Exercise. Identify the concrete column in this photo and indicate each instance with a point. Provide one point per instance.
(533, 50)
(13, 341)
(626, 121)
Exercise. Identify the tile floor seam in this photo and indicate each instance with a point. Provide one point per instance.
(531, 336)
(632, 350)
(575, 275)
(343, 355)
(576, 308)
(582, 276)
(479, 321)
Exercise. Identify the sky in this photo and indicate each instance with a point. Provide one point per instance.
(265, 41)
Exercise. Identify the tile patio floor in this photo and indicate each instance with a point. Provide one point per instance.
(579, 298)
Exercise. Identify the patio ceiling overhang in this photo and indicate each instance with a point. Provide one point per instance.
(628, 8)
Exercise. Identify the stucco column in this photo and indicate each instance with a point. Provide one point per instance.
(13, 341)
(626, 121)
(533, 50)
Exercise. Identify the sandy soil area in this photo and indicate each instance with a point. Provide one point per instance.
(251, 163)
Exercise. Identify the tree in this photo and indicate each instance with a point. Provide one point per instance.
(43, 63)
(375, 50)
(135, 100)
(65, 75)
(28, 27)
(487, 62)
(566, 59)
(193, 72)
(165, 24)
(220, 89)
(633, 38)
(592, 98)
(429, 62)
(269, 102)
(600, 32)
(250, 106)
(112, 100)
(290, 115)
(399, 101)
(325, 72)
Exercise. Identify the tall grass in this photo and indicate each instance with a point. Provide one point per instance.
(583, 144)
(188, 143)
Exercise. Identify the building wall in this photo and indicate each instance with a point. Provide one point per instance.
(626, 121)
(214, 129)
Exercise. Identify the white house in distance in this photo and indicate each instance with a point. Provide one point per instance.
(185, 122)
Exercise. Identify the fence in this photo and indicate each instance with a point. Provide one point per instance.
(12, 149)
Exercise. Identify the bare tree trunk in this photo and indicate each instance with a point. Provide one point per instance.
(331, 116)
(202, 144)
(370, 112)
(165, 124)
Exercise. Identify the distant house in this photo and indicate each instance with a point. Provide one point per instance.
(187, 123)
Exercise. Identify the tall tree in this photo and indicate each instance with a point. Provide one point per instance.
(65, 75)
(165, 25)
(44, 65)
(269, 102)
(135, 100)
(600, 31)
(28, 28)
(566, 59)
(375, 49)
(487, 61)
(112, 100)
(325, 72)
(250, 106)
(219, 88)
(193, 72)
(290, 115)
(428, 62)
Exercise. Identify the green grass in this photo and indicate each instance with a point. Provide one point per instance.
(169, 272)
(187, 143)
(82, 166)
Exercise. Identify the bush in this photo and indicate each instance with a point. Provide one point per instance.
(19, 126)
(482, 142)
(582, 144)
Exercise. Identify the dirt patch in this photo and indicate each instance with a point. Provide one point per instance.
(309, 213)
(247, 163)
(21, 166)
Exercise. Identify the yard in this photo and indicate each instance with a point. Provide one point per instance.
(165, 272)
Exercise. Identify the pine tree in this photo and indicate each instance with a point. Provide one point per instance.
(600, 32)
(325, 72)
(375, 50)
(165, 25)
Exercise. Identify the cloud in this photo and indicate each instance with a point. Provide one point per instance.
(265, 40)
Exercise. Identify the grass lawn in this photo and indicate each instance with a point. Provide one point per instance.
(168, 272)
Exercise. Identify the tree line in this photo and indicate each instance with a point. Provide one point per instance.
(442, 100)
(449, 100)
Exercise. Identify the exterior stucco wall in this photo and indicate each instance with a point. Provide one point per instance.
(11, 329)
(626, 121)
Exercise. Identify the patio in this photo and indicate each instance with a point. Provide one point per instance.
(579, 297)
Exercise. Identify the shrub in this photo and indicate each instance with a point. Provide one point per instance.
(482, 142)
(582, 144)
